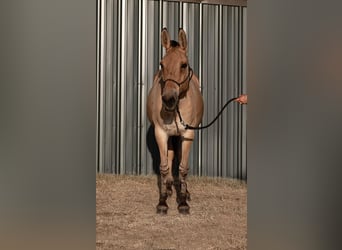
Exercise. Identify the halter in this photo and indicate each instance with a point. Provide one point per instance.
(189, 76)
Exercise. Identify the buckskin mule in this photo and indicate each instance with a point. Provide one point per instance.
(175, 89)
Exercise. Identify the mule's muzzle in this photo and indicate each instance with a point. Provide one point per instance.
(170, 101)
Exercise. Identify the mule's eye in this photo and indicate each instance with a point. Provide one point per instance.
(184, 65)
(161, 66)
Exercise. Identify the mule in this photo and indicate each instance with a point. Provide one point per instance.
(175, 89)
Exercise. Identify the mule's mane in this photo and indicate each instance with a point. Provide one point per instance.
(174, 43)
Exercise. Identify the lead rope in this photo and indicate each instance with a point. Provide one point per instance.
(187, 126)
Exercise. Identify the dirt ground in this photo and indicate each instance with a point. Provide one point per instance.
(126, 215)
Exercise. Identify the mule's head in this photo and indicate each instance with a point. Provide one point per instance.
(175, 72)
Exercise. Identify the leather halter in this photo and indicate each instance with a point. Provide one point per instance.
(188, 78)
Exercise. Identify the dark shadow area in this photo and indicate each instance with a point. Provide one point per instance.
(152, 147)
(176, 142)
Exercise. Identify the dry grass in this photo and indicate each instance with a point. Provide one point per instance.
(126, 215)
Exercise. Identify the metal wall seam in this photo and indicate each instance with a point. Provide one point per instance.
(164, 23)
(98, 46)
(223, 90)
(101, 87)
(133, 84)
(130, 83)
(220, 101)
(215, 166)
(234, 152)
(240, 90)
(117, 114)
(108, 86)
(231, 90)
(235, 140)
(122, 84)
(180, 16)
(244, 90)
(117, 93)
(200, 80)
(203, 50)
(138, 160)
(143, 84)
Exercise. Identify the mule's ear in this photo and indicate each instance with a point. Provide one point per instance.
(165, 38)
(182, 39)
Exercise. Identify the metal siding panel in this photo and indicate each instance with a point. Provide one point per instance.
(131, 72)
(118, 94)
(204, 134)
(101, 84)
(240, 91)
(235, 107)
(216, 90)
(238, 31)
(142, 122)
(210, 87)
(123, 58)
(191, 19)
(231, 113)
(219, 95)
(98, 46)
(182, 17)
(136, 87)
(115, 92)
(108, 88)
(171, 18)
(244, 90)
(224, 122)
(139, 86)
(200, 63)
(128, 96)
(152, 64)
(230, 90)
(232, 81)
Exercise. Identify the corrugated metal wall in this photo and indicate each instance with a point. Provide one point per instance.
(129, 52)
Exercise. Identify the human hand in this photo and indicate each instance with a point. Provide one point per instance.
(242, 99)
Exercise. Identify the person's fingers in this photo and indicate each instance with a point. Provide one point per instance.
(242, 99)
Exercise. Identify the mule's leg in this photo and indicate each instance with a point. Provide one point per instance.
(169, 177)
(183, 194)
(162, 141)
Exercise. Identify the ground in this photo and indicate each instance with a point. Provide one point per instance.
(126, 215)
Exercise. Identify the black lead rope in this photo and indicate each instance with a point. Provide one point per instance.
(187, 126)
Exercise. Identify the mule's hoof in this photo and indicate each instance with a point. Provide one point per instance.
(184, 209)
(162, 209)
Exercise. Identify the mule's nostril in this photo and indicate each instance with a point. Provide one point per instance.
(168, 98)
(169, 101)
